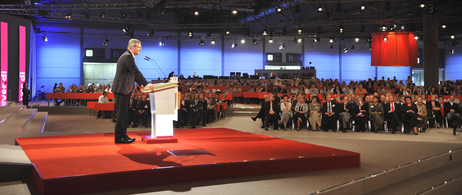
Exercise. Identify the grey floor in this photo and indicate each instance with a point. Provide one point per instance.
(378, 151)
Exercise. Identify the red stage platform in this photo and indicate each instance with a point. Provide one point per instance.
(92, 162)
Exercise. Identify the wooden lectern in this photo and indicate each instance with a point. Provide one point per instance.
(165, 101)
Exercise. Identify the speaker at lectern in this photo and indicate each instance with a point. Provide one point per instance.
(165, 102)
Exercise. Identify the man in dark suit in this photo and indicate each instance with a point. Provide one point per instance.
(271, 112)
(329, 117)
(126, 74)
(452, 111)
(344, 109)
(184, 111)
(261, 113)
(144, 112)
(392, 111)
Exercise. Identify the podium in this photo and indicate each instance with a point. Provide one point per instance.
(165, 101)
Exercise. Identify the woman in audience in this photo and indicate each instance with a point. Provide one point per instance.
(435, 107)
(90, 89)
(286, 109)
(315, 113)
(294, 89)
(376, 113)
(445, 90)
(360, 112)
(108, 89)
(324, 90)
(410, 113)
(422, 112)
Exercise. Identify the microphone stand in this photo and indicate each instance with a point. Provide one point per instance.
(152, 62)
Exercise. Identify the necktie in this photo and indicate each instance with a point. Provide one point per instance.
(271, 106)
(392, 107)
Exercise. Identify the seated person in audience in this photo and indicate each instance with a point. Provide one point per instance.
(313, 89)
(360, 90)
(144, 112)
(348, 90)
(90, 89)
(422, 112)
(132, 110)
(99, 89)
(344, 109)
(384, 90)
(301, 113)
(103, 99)
(410, 114)
(70, 89)
(329, 117)
(215, 89)
(59, 89)
(324, 90)
(452, 111)
(445, 90)
(315, 113)
(211, 108)
(271, 112)
(457, 101)
(80, 89)
(376, 113)
(392, 111)
(404, 91)
(435, 107)
(294, 89)
(360, 113)
(286, 111)
(184, 110)
(336, 90)
(108, 89)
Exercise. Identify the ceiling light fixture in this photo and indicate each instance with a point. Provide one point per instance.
(126, 29)
(319, 9)
(201, 43)
(255, 42)
(106, 41)
(264, 32)
(385, 39)
(161, 43)
(234, 45)
(234, 12)
(212, 42)
(356, 40)
(331, 40)
(243, 41)
(279, 9)
(270, 40)
(316, 40)
(152, 33)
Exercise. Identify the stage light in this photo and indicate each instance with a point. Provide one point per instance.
(453, 36)
(87, 16)
(161, 43)
(353, 47)
(190, 33)
(282, 47)
(201, 43)
(316, 40)
(279, 9)
(319, 9)
(370, 48)
(234, 12)
(345, 50)
(227, 32)
(403, 27)
(422, 5)
(385, 39)
(363, 7)
(209, 34)
(102, 15)
(45, 38)
(443, 26)
(126, 29)
(383, 28)
(106, 41)
(299, 31)
(243, 41)
(331, 40)
(332, 46)
(68, 16)
(370, 39)
(299, 40)
(270, 40)
(255, 42)
(152, 33)
(212, 42)
(356, 40)
(122, 14)
(264, 32)
(340, 29)
(234, 45)
(196, 13)
(416, 37)
(452, 51)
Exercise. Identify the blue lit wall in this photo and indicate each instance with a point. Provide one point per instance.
(324, 59)
(453, 68)
(245, 58)
(356, 64)
(204, 60)
(401, 73)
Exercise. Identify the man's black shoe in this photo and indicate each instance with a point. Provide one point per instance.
(126, 140)
(254, 118)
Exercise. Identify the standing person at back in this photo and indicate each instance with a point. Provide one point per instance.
(126, 74)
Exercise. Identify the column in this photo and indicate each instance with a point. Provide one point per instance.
(430, 44)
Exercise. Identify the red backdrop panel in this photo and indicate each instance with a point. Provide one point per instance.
(399, 50)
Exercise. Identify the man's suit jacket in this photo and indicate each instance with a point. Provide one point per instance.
(334, 107)
(276, 108)
(387, 108)
(126, 74)
(448, 107)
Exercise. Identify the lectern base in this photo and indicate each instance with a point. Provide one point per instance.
(168, 139)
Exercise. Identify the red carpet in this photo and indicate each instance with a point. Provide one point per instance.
(92, 162)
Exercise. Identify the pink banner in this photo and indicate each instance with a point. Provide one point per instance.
(4, 61)
(22, 60)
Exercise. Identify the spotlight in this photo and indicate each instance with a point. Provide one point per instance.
(353, 47)
(45, 38)
(284, 31)
(152, 33)
(102, 15)
(87, 16)
(416, 37)
(209, 33)
(316, 40)
(320, 9)
(452, 51)
(227, 32)
(345, 50)
(370, 39)
(234, 12)
(402, 27)
(332, 46)
(340, 29)
(68, 16)
(363, 7)
(243, 41)
(370, 48)
(385, 39)
(212, 42)
(299, 40)
(453, 37)
(279, 9)
(234, 45)
(106, 41)
(383, 28)
(356, 40)
(282, 47)
(201, 43)
(196, 13)
(270, 40)
(331, 40)
(265, 32)
(190, 33)
(255, 42)
(299, 31)
(126, 29)
(443, 26)
(161, 43)
(122, 14)
(422, 5)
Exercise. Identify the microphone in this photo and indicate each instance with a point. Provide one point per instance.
(147, 57)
